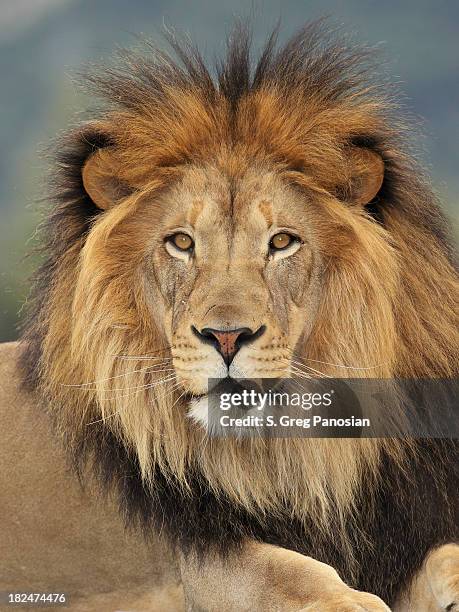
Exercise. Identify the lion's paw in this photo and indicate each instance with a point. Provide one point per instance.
(443, 575)
(450, 603)
(453, 605)
(451, 589)
(348, 601)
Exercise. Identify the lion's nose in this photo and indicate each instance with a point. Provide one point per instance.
(228, 342)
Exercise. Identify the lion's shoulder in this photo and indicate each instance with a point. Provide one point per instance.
(9, 373)
(20, 416)
(42, 503)
(15, 403)
(28, 450)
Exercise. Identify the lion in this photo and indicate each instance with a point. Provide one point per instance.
(254, 223)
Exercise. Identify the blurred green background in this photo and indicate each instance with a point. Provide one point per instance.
(44, 42)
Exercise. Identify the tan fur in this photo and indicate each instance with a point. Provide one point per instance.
(269, 578)
(60, 537)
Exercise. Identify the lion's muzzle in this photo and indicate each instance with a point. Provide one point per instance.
(228, 341)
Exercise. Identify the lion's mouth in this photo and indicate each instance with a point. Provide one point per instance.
(226, 385)
(195, 396)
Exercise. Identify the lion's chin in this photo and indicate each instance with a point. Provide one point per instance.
(198, 410)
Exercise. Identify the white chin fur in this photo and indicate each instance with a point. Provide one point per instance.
(198, 411)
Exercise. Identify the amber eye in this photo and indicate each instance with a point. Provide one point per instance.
(281, 241)
(181, 241)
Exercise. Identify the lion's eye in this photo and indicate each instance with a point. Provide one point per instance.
(181, 241)
(281, 241)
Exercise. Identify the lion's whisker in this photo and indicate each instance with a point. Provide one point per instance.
(293, 362)
(137, 388)
(307, 374)
(178, 399)
(298, 364)
(147, 356)
(104, 418)
(96, 382)
(142, 358)
(335, 365)
(340, 365)
(175, 386)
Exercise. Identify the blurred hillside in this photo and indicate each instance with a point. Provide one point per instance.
(44, 42)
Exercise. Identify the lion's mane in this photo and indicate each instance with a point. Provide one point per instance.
(389, 302)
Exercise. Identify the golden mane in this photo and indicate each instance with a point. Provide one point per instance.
(390, 288)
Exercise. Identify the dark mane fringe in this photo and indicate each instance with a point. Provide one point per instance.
(69, 219)
(316, 61)
(390, 535)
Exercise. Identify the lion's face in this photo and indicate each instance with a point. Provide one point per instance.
(221, 261)
(236, 267)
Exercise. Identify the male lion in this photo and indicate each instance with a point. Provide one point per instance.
(259, 223)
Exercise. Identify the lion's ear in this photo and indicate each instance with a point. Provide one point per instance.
(366, 174)
(101, 179)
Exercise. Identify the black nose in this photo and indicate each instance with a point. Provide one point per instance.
(228, 341)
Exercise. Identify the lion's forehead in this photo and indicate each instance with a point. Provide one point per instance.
(211, 198)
